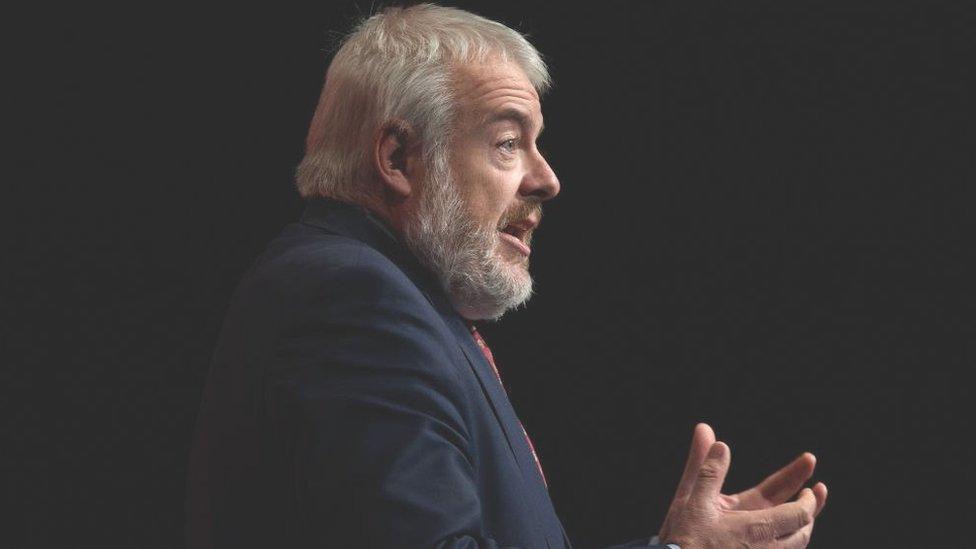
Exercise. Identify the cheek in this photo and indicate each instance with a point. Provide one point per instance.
(490, 189)
(500, 187)
(488, 195)
(498, 200)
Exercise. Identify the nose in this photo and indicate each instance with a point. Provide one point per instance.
(539, 182)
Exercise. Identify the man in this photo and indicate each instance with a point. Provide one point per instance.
(351, 401)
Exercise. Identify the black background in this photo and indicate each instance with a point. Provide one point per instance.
(764, 224)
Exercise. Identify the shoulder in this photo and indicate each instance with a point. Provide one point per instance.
(341, 292)
(317, 258)
(352, 313)
(303, 266)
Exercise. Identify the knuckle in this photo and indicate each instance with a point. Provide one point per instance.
(709, 470)
(760, 531)
(805, 516)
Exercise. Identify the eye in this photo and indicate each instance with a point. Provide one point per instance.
(509, 145)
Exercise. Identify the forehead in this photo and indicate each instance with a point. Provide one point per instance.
(484, 89)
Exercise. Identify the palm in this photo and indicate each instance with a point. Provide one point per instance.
(749, 500)
(774, 490)
(699, 504)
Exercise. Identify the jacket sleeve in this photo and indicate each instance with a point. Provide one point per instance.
(644, 543)
(381, 450)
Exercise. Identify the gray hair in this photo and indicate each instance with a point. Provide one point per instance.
(398, 64)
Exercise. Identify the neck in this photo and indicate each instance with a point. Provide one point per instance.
(388, 210)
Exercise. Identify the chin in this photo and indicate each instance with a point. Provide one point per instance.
(507, 286)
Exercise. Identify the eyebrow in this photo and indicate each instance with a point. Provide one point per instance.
(515, 115)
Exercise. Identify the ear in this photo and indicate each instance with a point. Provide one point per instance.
(395, 157)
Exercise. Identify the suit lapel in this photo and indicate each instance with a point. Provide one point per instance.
(493, 390)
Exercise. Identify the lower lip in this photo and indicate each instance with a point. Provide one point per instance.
(518, 244)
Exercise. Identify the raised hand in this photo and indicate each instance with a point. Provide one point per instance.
(702, 517)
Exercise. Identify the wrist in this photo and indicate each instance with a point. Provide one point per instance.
(656, 540)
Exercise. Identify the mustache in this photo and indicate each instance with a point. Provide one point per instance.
(520, 211)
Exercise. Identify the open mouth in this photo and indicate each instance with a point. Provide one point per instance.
(514, 231)
(515, 236)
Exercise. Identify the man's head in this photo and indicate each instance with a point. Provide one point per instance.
(429, 118)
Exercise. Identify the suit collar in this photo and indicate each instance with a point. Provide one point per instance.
(356, 222)
(350, 220)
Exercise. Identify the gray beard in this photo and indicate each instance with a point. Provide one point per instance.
(462, 255)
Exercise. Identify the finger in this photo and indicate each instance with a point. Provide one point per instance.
(701, 441)
(796, 540)
(711, 474)
(820, 491)
(780, 486)
(782, 520)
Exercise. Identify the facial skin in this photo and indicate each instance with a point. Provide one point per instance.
(471, 219)
(495, 152)
(500, 172)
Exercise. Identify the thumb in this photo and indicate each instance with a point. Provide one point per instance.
(711, 474)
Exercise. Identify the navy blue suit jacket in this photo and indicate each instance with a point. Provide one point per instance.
(348, 406)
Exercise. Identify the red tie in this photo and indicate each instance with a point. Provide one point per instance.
(491, 360)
